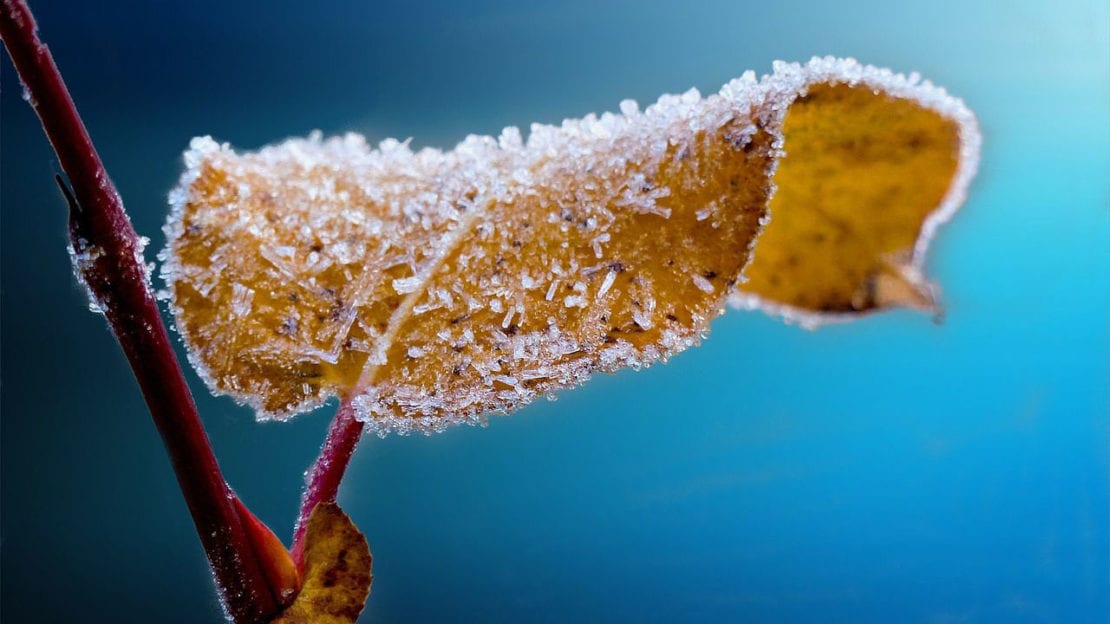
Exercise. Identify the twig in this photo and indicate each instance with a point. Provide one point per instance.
(109, 259)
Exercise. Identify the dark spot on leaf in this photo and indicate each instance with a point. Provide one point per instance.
(288, 327)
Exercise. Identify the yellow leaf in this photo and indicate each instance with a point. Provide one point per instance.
(435, 287)
(336, 573)
(861, 175)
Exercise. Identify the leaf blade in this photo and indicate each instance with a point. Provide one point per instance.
(337, 571)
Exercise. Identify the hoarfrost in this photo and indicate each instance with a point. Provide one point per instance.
(702, 283)
(574, 301)
(83, 257)
(406, 285)
(241, 297)
(606, 284)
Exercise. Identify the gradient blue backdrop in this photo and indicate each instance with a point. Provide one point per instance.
(890, 470)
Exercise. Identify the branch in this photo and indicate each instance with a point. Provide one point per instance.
(109, 259)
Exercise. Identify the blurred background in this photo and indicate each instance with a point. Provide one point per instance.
(887, 470)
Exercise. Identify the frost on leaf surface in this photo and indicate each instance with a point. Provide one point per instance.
(434, 287)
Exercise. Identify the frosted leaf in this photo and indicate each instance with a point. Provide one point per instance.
(435, 287)
(336, 574)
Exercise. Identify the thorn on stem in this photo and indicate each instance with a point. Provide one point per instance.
(74, 208)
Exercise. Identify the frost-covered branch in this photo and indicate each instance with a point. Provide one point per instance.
(108, 257)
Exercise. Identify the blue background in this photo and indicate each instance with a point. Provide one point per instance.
(890, 470)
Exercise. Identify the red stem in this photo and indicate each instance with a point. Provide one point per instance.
(115, 275)
(322, 481)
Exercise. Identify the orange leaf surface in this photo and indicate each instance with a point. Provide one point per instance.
(435, 287)
(864, 178)
(337, 571)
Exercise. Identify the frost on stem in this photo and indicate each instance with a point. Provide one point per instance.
(435, 287)
(83, 255)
